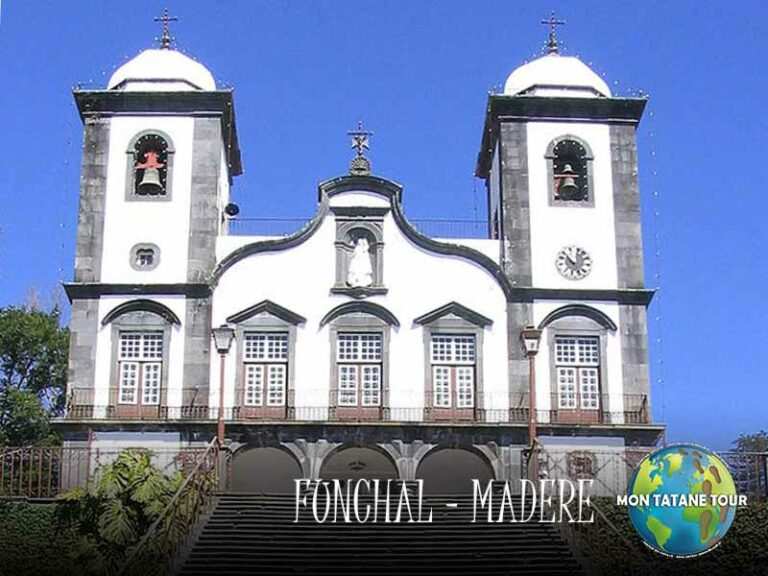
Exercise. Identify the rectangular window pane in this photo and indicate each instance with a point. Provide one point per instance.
(152, 345)
(130, 345)
(441, 386)
(464, 349)
(347, 347)
(150, 373)
(347, 386)
(254, 385)
(265, 346)
(359, 347)
(589, 389)
(276, 385)
(588, 351)
(370, 347)
(371, 385)
(465, 387)
(441, 348)
(565, 350)
(453, 349)
(566, 388)
(129, 379)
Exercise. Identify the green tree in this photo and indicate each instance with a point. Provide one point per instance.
(757, 442)
(113, 515)
(33, 372)
(23, 419)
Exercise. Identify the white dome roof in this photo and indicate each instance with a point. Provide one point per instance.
(555, 75)
(161, 70)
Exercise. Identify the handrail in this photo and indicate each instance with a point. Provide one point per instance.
(212, 446)
(572, 528)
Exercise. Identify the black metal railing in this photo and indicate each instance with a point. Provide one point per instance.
(434, 227)
(605, 409)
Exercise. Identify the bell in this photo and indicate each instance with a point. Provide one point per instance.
(150, 182)
(567, 188)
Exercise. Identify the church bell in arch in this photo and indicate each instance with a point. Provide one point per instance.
(150, 184)
(566, 181)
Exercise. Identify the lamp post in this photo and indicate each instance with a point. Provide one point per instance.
(529, 339)
(222, 337)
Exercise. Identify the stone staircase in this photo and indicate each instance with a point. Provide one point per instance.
(256, 534)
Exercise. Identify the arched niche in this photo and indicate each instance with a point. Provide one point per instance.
(269, 470)
(451, 470)
(358, 462)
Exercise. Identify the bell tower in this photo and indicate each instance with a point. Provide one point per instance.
(160, 152)
(559, 161)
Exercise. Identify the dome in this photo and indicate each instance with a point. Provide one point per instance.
(162, 70)
(555, 75)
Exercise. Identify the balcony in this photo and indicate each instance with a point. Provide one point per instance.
(625, 409)
(629, 409)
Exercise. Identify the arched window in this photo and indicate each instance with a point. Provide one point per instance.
(150, 165)
(141, 333)
(577, 340)
(569, 162)
(360, 333)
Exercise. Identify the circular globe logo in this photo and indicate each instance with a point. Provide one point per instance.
(682, 500)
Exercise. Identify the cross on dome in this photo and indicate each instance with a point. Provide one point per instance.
(553, 23)
(166, 39)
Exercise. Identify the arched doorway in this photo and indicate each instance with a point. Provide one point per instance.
(266, 470)
(451, 471)
(354, 463)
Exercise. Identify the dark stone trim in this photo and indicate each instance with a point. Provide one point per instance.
(204, 215)
(515, 222)
(457, 310)
(386, 188)
(142, 305)
(101, 103)
(375, 184)
(361, 307)
(79, 290)
(270, 308)
(526, 108)
(640, 297)
(443, 434)
(360, 211)
(626, 207)
(579, 310)
(93, 193)
(270, 245)
(359, 291)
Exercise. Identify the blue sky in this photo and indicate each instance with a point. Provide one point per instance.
(418, 73)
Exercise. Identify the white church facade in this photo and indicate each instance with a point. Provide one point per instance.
(357, 344)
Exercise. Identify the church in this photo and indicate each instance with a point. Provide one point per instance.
(358, 346)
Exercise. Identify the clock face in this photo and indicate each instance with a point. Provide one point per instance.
(573, 262)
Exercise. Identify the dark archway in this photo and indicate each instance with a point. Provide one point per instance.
(354, 463)
(451, 471)
(266, 470)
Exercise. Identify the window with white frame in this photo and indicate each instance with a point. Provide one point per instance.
(453, 359)
(140, 367)
(577, 364)
(359, 364)
(265, 363)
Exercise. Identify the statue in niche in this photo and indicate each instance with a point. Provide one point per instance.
(360, 273)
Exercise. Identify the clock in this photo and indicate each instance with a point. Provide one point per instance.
(573, 262)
